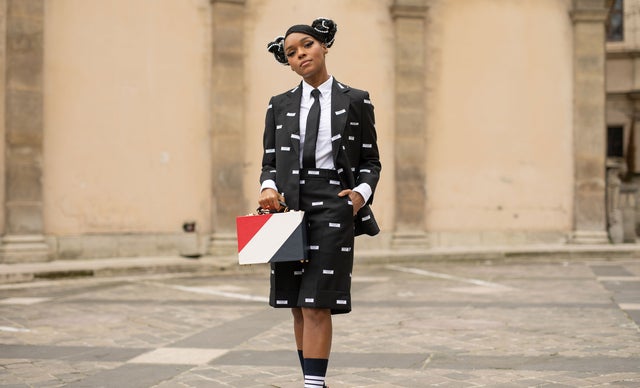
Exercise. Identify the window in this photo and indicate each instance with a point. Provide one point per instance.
(615, 141)
(615, 21)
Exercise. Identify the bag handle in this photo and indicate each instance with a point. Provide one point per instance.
(283, 208)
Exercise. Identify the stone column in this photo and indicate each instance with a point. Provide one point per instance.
(589, 134)
(410, 132)
(23, 238)
(227, 123)
(3, 89)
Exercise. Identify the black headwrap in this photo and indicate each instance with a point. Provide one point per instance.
(322, 29)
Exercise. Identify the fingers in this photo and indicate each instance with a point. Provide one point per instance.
(276, 204)
(270, 199)
(355, 197)
(357, 200)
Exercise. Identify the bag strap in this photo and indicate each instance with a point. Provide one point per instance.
(283, 208)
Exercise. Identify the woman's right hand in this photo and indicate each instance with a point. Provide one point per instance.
(270, 199)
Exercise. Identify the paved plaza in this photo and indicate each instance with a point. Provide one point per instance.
(477, 323)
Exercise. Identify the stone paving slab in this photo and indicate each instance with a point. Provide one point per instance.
(15, 273)
(130, 375)
(71, 353)
(345, 360)
(232, 333)
(482, 323)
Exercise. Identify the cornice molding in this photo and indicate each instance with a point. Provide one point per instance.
(238, 2)
(626, 54)
(590, 15)
(633, 95)
(624, 95)
(411, 11)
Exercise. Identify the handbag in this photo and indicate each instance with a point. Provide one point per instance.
(268, 237)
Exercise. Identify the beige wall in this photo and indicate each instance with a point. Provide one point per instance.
(620, 74)
(361, 57)
(126, 115)
(127, 111)
(499, 153)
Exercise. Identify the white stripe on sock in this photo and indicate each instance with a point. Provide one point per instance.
(313, 381)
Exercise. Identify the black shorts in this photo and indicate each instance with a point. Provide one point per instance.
(324, 281)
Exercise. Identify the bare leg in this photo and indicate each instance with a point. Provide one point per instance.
(298, 326)
(317, 332)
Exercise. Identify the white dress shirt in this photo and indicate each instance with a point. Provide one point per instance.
(324, 151)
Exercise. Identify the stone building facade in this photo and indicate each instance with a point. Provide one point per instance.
(622, 115)
(133, 127)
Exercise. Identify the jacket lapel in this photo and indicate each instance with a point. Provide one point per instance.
(292, 119)
(339, 112)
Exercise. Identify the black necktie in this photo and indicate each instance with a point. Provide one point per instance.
(311, 135)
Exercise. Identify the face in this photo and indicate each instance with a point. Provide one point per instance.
(306, 56)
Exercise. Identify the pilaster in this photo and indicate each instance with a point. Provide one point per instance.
(23, 238)
(3, 90)
(410, 17)
(589, 121)
(227, 122)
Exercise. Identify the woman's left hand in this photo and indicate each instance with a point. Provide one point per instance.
(355, 197)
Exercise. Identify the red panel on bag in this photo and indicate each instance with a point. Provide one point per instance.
(248, 226)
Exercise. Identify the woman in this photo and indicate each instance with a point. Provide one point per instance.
(320, 156)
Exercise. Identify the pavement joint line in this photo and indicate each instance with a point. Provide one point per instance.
(629, 306)
(92, 280)
(23, 301)
(10, 329)
(209, 291)
(369, 279)
(417, 271)
(427, 361)
(618, 278)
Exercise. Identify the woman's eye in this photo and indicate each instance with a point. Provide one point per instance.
(308, 44)
(290, 53)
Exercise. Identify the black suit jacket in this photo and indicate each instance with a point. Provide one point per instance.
(354, 144)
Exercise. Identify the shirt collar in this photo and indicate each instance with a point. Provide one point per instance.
(325, 88)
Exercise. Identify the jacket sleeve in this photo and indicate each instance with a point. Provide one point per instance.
(269, 146)
(369, 164)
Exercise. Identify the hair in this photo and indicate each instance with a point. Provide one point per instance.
(322, 29)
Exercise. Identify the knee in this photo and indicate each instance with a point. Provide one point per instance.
(316, 316)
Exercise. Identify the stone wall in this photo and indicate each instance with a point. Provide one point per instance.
(127, 120)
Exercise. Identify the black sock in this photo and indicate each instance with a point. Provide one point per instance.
(301, 357)
(315, 369)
